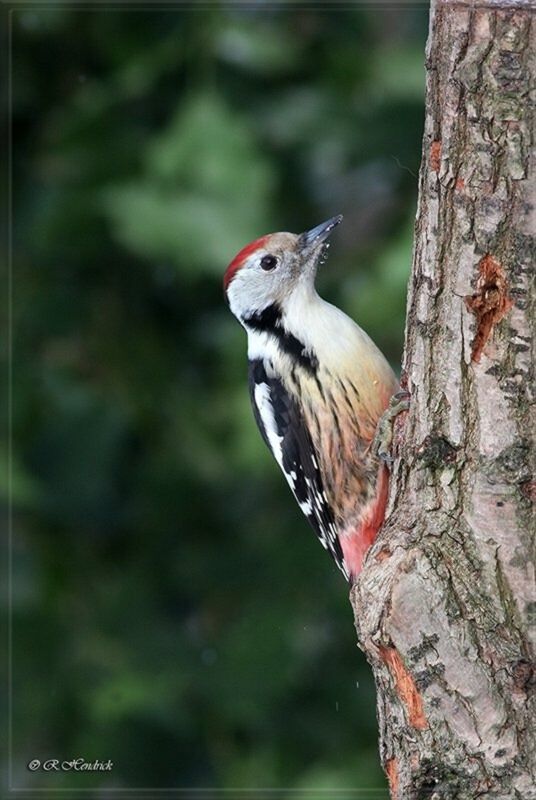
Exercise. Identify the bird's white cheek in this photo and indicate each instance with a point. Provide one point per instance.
(239, 300)
(249, 293)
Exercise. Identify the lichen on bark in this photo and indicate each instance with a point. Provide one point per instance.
(445, 606)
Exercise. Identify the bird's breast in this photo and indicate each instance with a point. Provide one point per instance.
(341, 427)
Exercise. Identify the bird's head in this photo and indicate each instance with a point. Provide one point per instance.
(270, 270)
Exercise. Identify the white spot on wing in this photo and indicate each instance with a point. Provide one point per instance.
(305, 506)
(263, 402)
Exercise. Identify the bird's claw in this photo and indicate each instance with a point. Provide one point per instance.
(381, 444)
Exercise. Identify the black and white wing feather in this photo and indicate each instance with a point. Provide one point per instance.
(282, 426)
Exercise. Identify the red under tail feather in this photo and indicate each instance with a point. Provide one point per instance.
(355, 545)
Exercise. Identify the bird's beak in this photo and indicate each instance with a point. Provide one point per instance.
(311, 239)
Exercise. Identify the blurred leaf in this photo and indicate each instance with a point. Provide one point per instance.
(205, 192)
(398, 72)
(377, 300)
(260, 46)
(17, 482)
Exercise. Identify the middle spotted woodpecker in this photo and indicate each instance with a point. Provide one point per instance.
(318, 386)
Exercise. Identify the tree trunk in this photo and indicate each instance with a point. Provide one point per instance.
(446, 601)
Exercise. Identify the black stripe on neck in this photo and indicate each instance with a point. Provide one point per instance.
(270, 320)
(265, 321)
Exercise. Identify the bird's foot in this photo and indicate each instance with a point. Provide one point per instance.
(381, 444)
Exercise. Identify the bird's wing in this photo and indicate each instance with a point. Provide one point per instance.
(283, 429)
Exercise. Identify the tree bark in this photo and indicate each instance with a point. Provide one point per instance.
(446, 601)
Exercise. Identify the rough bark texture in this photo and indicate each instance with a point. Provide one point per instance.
(446, 601)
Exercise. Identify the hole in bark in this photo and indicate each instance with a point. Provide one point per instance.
(529, 490)
(490, 302)
(522, 673)
(435, 452)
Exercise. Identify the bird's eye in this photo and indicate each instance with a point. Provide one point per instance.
(268, 262)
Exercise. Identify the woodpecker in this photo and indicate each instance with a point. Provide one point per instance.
(319, 387)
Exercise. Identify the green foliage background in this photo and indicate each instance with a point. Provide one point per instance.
(172, 611)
